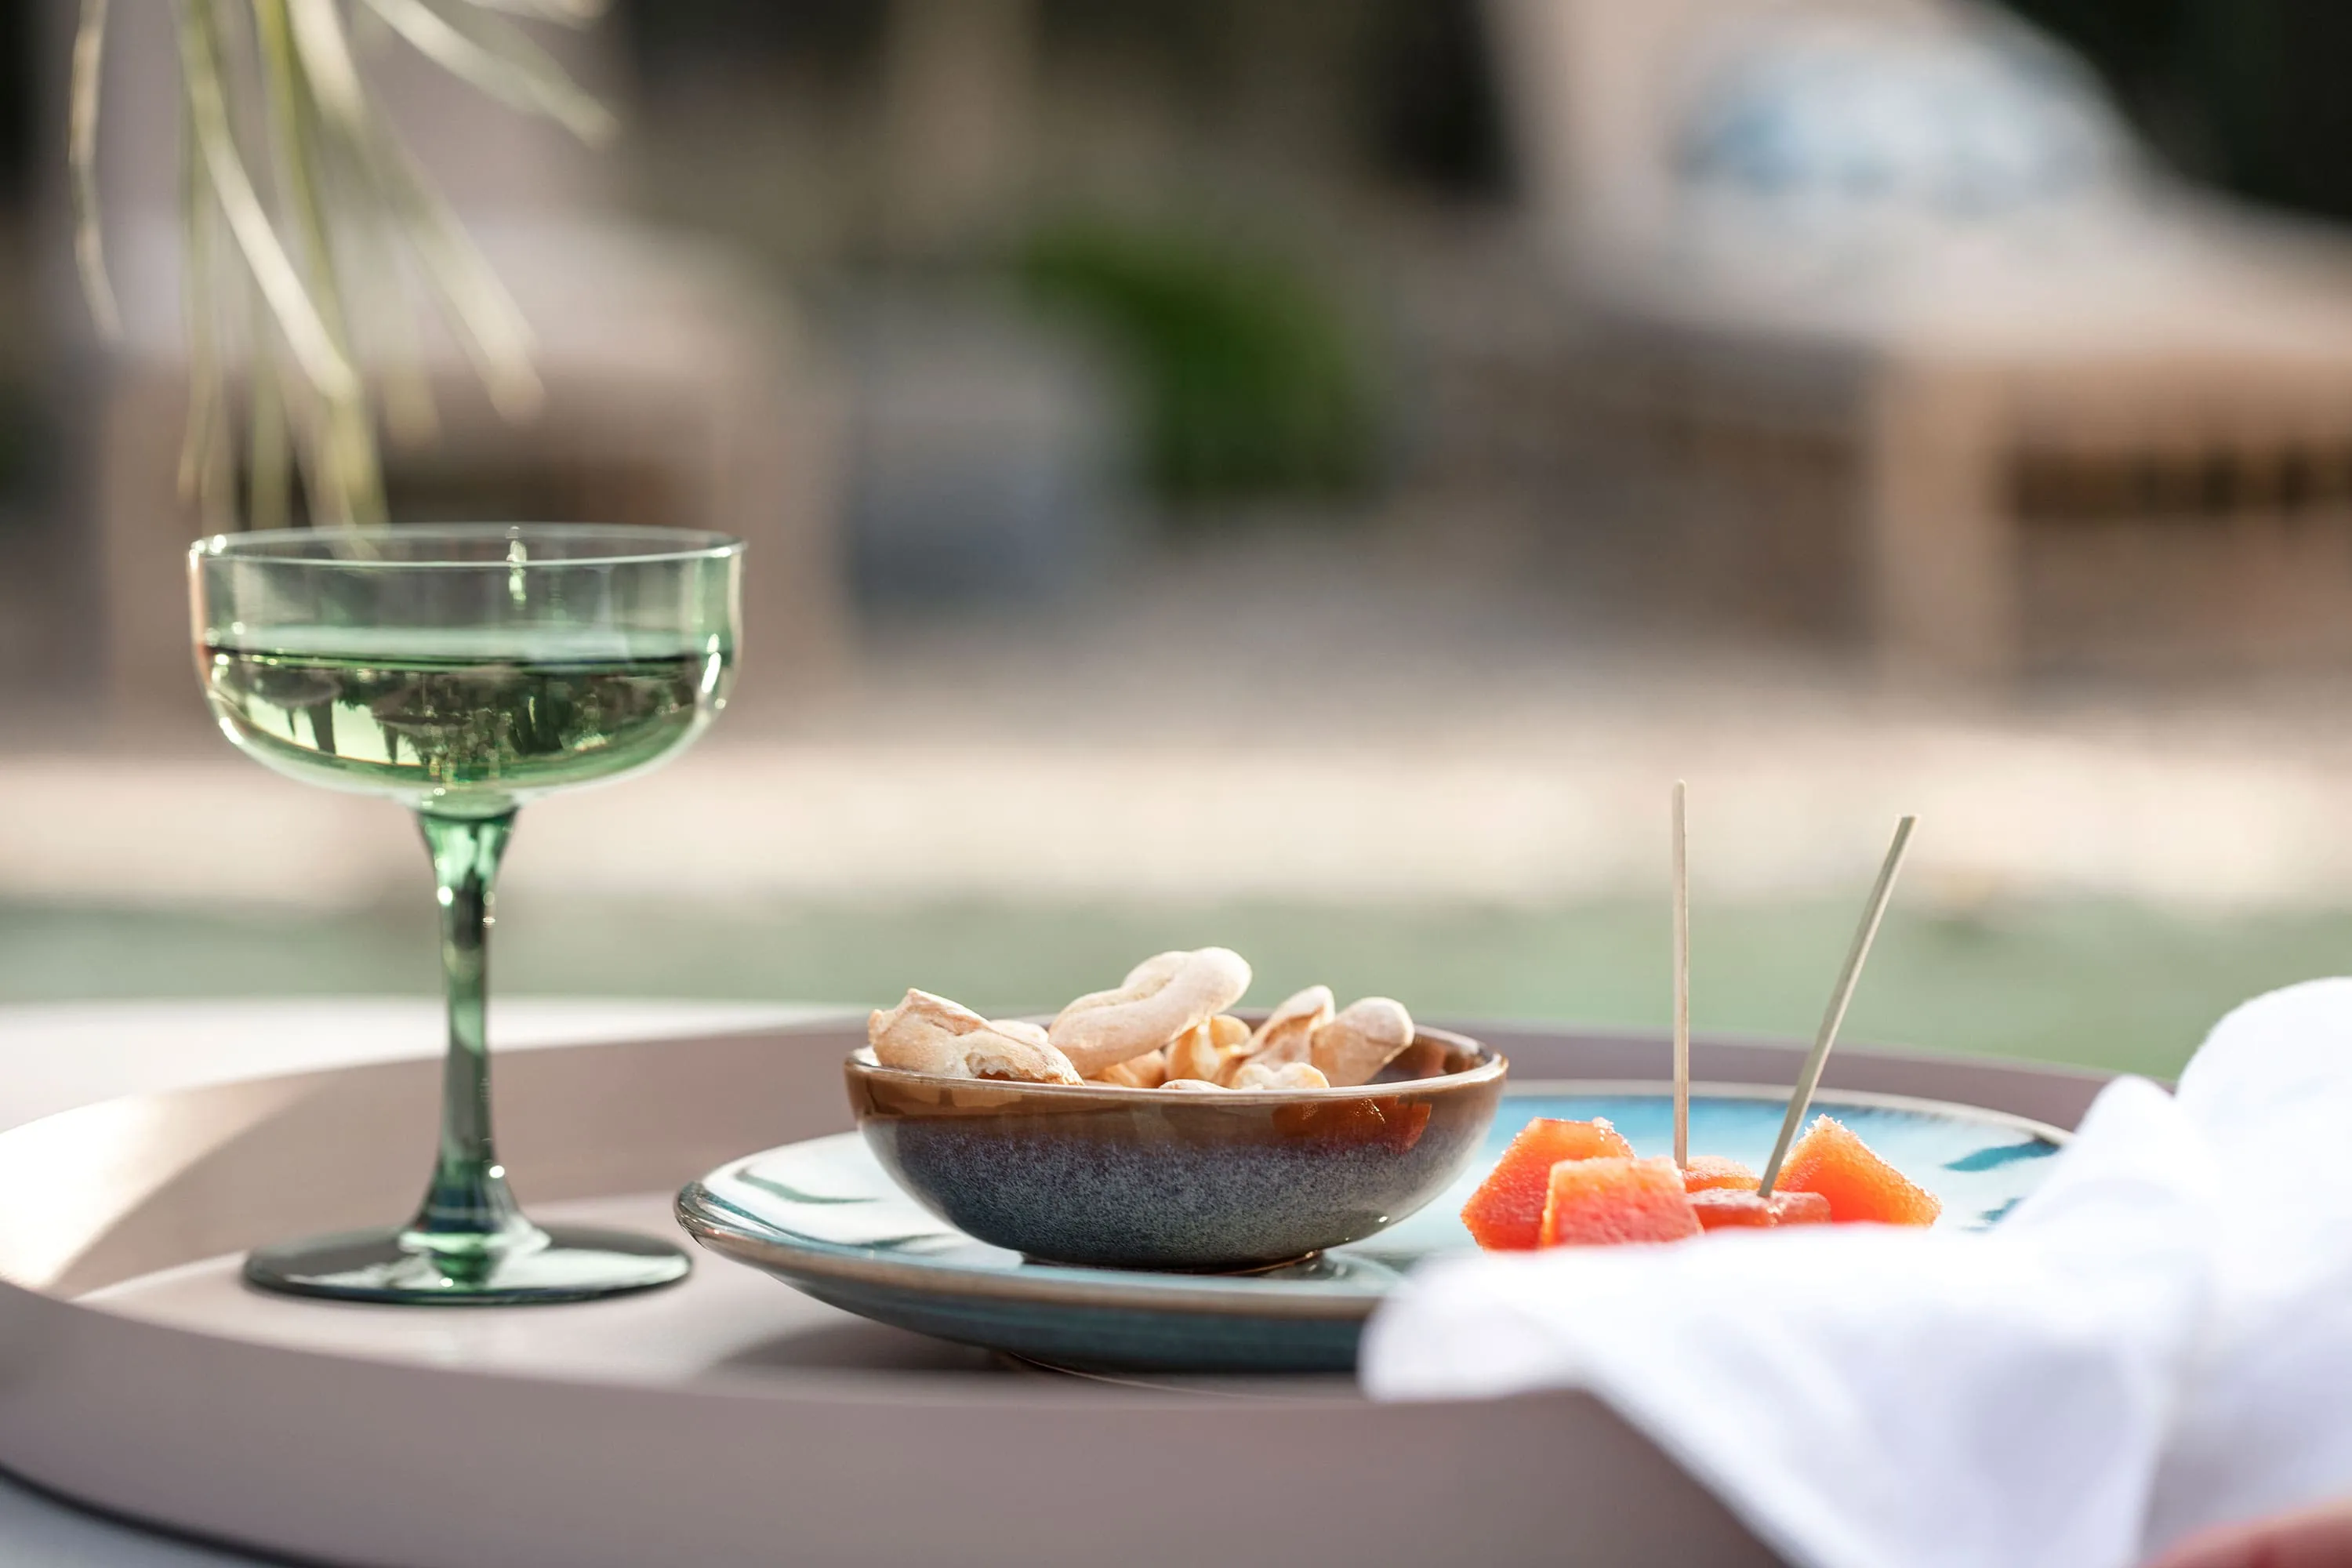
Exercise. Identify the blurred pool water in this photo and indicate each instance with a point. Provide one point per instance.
(2103, 984)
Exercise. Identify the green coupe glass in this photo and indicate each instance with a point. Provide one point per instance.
(463, 670)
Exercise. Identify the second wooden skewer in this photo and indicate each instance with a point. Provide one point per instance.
(1810, 1077)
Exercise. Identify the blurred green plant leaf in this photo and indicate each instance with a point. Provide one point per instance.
(1255, 380)
(81, 151)
(500, 61)
(343, 201)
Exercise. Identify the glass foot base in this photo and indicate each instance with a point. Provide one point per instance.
(573, 1263)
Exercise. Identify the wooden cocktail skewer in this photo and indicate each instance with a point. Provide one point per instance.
(1809, 1079)
(1682, 978)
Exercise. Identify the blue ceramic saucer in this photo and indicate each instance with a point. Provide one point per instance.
(824, 1216)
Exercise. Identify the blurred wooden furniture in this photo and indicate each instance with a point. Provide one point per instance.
(2115, 431)
(678, 389)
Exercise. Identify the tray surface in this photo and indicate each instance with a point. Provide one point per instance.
(724, 1421)
(822, 1215)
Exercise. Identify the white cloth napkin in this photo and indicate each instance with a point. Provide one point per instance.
(2159, 1340)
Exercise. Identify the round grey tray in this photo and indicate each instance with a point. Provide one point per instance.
(728, 1420)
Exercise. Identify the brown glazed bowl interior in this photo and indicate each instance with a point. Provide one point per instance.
(1143, 1178)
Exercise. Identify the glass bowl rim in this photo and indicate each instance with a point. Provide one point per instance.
(633, 544)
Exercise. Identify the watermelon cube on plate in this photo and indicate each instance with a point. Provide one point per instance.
(1731, 1208)
(1505, 1214)
(1709, 1173)
(1861, 1188)
(1611, 1200)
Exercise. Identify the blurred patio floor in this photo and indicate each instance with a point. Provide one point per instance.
(1414, 762)
(1308, 717)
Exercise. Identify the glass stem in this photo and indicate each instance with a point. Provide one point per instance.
(468, 1210)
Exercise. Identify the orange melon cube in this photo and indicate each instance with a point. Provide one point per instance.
(1732, 1209)
(1505, 1214)
(1799, 1208)
(1860, 1186)
(1708, 1173)
(1611, 1200)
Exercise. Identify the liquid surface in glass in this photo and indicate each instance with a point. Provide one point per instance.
(461, 719)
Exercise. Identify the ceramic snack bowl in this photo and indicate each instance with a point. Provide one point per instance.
(1145, 1178)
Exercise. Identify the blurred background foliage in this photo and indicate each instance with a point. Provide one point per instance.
(1253, 379)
